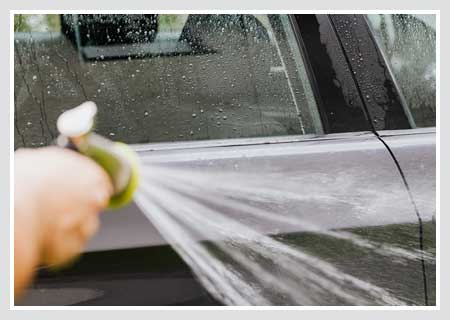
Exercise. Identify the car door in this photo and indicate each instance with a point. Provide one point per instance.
(406, 45)
(273, 95)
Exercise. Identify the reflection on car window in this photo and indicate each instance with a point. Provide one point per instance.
(161, 77)
(409, 44)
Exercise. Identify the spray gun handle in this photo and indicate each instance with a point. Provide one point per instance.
(117, 159)
(66, 143)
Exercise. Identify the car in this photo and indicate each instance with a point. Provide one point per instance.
(346, 103)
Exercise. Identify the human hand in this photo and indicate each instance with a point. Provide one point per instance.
(58, 194)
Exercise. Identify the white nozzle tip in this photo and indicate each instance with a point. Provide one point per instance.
(77, 121)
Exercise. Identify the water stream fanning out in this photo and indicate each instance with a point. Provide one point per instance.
(237, 233)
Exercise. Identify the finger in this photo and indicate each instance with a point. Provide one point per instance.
(100, 198)
(89, 227)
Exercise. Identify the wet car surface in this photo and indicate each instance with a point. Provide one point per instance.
(323, 98)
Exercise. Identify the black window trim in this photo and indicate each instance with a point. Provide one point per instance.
(402, 98)
(357, 40)
(342, 109)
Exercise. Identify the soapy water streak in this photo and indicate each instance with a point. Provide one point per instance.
(242, 265)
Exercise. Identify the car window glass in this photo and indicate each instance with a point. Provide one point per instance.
(162, 77)
(409, 45)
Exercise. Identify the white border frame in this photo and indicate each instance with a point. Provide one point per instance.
(178, 308)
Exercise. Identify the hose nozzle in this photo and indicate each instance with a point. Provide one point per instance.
(116, 158)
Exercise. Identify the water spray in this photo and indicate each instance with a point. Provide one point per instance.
(240, 263)
(116, 158)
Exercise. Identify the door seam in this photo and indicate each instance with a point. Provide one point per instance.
(397, 164)
(416, 210)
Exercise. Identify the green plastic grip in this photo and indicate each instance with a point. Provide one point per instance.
(119, 161)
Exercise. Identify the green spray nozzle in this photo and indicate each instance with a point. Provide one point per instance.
(116, 158)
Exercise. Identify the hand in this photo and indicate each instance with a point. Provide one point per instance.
(57, 196)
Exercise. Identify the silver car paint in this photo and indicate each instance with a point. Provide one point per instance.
(354, 170)
(415, 151)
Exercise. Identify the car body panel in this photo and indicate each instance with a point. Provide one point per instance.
(344, 193)
(136, 276)
(415, 151)
(354, 172)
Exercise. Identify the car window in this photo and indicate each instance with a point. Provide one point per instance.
(409, 45)
(162, 77)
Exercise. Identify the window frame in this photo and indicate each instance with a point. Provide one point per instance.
(391, 73)
(340, 104)
(390, 98)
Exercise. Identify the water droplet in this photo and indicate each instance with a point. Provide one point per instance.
(224, 117)
(34, 77)
(194, 115)
(112, 134)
